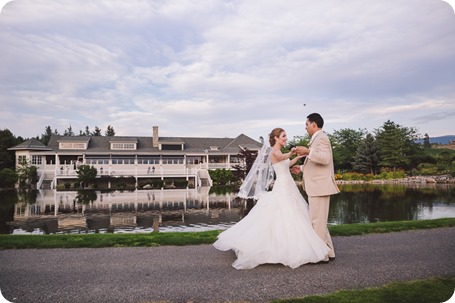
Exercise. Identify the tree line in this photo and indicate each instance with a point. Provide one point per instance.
(390, 151)
(46, 136)
(389, 148)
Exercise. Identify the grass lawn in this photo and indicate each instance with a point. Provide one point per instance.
(192, 238)
(434, 290)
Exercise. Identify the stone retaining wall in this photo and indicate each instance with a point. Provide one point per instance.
(407, 180)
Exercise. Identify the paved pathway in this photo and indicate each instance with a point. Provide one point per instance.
(203, 274)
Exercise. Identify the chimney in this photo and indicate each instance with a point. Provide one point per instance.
(155, 136)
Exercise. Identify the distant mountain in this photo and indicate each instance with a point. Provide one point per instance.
(439, 140)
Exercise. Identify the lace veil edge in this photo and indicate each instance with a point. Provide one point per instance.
(260, 176)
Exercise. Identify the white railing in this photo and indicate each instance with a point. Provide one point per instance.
(222, 165)
(143, 172)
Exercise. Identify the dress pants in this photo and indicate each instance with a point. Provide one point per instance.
(319, 214)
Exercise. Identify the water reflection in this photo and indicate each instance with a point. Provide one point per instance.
(394, 202)
(49, 211)
(137, 211)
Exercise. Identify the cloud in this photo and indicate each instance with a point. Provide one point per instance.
(221, 68)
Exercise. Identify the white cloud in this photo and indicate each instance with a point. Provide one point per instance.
(221, 68)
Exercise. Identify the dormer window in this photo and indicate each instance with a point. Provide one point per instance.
(171, 144)
(123, 143)
(214, 148)
(73, 143)
(123, 146)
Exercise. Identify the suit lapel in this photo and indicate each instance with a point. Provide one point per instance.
(311, 142)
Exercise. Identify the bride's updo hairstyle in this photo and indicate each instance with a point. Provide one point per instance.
(276, 132)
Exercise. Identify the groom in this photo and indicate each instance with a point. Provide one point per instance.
(318, 178)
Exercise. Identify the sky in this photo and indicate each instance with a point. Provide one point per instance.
(221, 68)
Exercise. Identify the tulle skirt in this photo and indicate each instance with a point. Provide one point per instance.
(276, 230)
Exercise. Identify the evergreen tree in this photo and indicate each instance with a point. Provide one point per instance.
(87, 131)
(396, 145)
(367, 156)
(110, 131)
(69, 131)
(46, 136)
(426, 141)
(97, 131)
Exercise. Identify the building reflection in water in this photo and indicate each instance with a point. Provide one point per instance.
(200, 209)
(128, 211)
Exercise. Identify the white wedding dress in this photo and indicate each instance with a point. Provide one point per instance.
(276, 230)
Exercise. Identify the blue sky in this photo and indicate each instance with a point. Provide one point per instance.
(218, 68)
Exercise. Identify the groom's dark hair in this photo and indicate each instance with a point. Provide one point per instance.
(316, 118)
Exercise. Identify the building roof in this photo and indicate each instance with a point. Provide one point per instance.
(30, 144)
(195, 145)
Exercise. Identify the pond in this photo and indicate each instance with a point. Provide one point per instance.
(204, 208)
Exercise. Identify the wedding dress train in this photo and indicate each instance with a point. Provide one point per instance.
(276, 230)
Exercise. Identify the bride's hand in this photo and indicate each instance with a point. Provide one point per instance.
(302, 150)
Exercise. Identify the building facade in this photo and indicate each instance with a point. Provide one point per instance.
(128, 156)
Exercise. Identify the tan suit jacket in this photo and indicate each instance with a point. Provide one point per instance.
(318, 170)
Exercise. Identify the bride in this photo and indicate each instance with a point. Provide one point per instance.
(278, 228)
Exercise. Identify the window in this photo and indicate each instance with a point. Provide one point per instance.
(154, 160)
(96, 161)
(72, 145)
(194, 160)
(21, 159)
(171, 147)
(172, 160)
(36, 160)
(126, 146)
(122, 160)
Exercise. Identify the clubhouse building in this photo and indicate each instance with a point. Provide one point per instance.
(188, 158)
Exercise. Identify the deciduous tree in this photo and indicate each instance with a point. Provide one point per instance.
(86, 175)
(344, 145)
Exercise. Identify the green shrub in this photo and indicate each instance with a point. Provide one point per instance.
(180, 183)
(427, 169)
(387, 175)
(352, 176)
(221, 176)
(368, 177)
(158, 183)
(8, 178)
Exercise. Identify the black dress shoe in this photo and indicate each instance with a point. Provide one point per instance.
(331, 258)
